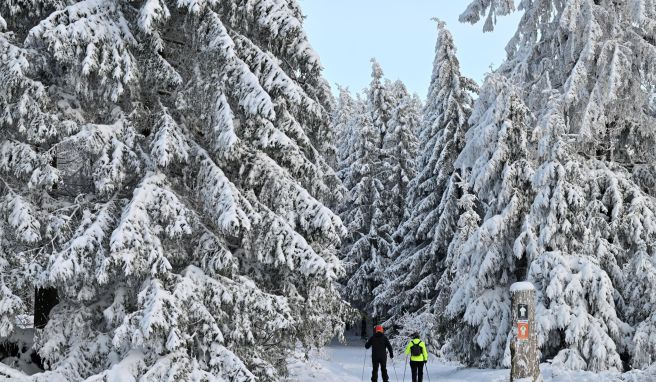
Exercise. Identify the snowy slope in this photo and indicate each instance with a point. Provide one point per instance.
(343, 363)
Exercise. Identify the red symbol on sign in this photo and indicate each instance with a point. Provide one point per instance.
(522, 331)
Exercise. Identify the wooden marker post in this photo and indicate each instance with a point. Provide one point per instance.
(525, 365)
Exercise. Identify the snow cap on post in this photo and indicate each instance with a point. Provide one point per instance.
(521, 286)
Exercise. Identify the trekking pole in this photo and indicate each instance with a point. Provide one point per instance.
(364, 361)
(426, 366)
(404, 367)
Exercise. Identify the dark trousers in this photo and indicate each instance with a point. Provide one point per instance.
(417, 369)
(383, 369)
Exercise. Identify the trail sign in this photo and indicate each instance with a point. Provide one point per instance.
(524, 354)
(522, 312)
(522, 331)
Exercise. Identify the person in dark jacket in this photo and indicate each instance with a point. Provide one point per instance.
(378, 344)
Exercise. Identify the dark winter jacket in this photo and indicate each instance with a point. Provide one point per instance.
(378, 342)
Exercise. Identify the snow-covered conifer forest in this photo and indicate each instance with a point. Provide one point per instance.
(183, 197)
(165, 166)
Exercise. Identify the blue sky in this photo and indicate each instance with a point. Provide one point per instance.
(400, 34)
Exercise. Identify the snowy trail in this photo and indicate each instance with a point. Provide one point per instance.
(339, 362)
(343, 363)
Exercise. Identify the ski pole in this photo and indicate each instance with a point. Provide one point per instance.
(364, 361)
(404, 367)
(395, 374)
(426, 366)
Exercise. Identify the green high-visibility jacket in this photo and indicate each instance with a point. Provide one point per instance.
(424, 354)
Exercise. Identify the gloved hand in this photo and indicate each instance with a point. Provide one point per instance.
(425, 362)
(392, 356)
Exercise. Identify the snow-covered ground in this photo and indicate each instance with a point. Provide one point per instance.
(9, 374)
(343, 363)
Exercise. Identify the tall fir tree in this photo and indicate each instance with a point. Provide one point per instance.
(381, 102)
(586, 230)
(364, 250)
(162, 166)
(432, 211)
(497, 162)
(399, 152)
(376, 168)
(345, 123)
(367, 247)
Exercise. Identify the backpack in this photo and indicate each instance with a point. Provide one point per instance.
(415, 349)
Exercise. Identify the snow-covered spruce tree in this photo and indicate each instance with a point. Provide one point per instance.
(399, 152)
(432, 210)
(340, 118)
(365, 250)
(380, 101)
(602, 99)
(571, 263)
(498, 153)
(344, 121)
(161, 166)
(400, 92)
(365, 210)
(587, 77)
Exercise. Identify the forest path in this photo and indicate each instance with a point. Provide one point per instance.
(343, 363)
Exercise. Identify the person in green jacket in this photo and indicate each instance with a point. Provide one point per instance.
(416, 349)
